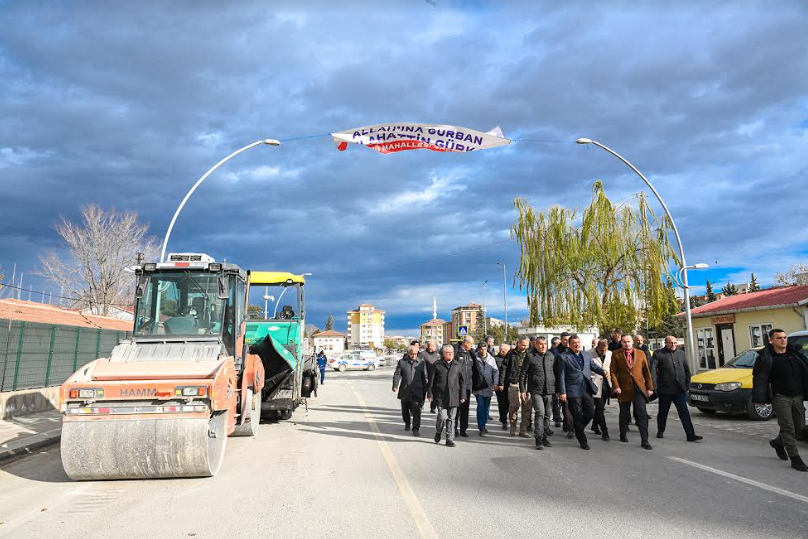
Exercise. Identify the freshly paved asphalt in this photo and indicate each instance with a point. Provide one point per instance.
(346, 468)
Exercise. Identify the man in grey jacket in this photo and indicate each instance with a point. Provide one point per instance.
(411, 375)
(671, 375)
(447, 387)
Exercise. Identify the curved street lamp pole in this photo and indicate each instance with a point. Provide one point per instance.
(504, 298)
(268, 142)
(485, 330)
(691, 344)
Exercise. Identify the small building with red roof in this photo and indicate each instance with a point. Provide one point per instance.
(728, 326)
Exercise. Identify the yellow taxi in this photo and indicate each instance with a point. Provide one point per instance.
(729, 389)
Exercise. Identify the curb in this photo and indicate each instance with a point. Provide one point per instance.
(9, 455)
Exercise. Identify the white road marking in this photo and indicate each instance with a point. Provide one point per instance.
(419, 516)
(764, 486)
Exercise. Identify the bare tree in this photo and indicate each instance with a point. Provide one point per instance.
(100, 248)
(796, 274)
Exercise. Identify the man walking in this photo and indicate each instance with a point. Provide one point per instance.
(431, 356)
(671, 375)
(614, 344)
(576, 388)
(501, 390)
(631, 380)
(321, 363)
(538, 383)
(489, 371)
(412, 377)
(780, 376)
(446, 387)
(509, 377)
(468, 361)
(563, 407)
(601, 357)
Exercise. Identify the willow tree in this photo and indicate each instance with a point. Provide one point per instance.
(602, 267)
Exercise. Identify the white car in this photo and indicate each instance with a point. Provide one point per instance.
(353, 360)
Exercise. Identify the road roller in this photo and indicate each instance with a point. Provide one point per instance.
(164, 403)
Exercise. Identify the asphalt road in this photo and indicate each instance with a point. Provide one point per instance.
(346, 468)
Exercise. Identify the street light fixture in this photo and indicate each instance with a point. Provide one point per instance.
(678, 276)
(485, 331)
(690, 340)
(504, 298)
(268, 142)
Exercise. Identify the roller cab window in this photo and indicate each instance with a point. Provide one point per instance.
(180, 303)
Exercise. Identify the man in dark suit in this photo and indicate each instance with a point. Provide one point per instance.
(631, 380)
(576, 388)
(448, 388)
(410, 380)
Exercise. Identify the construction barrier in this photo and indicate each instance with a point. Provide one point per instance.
(35, 355)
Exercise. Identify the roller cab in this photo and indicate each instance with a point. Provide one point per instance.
(163, 404)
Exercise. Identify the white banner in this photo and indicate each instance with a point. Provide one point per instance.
(397, 137)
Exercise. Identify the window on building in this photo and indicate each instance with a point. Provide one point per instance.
(706, 345)
(759, 334)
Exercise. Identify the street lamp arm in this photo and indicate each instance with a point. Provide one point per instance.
(268, 142)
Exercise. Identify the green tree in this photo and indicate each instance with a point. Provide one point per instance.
(710, 294)
(329, 324)
(694, 302)
(671, 323)
(753, 284)
(730, 289)
(593, 268)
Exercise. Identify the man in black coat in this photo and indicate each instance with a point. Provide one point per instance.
(410, 380)
(616, 335)
(561, 411)
(671, 375)
(780, 376)
(446, 386)
(537, 381)
(509, 379)
(501, 390)
(431, 355)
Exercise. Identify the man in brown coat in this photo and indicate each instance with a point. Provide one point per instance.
(631, 380)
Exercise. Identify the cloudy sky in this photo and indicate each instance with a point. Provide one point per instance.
(129, 106)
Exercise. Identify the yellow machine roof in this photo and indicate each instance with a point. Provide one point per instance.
(274, 278)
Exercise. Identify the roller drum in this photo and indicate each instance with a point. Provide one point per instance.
(143, 448)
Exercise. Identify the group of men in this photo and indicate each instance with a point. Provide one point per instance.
(555, 382)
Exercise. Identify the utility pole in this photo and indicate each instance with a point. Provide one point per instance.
(505, 298)
(485, 330)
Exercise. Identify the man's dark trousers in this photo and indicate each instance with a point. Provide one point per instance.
(790, 413)
(640, 415)
(502, 405)
(411, 408)
(680, 401)
(463, 413)
(582, 409)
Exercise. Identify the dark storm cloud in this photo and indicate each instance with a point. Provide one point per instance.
(127, 107)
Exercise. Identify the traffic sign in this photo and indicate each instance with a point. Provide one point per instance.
(462, 331)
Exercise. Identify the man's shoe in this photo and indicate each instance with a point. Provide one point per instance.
(660, 434)
(605, 438)
(695, 438)
(557, 424)
(798, 464)
(437, 437)
(524, 435)
(482, 433)
(623, 438)
(646, 445)
(539, 445)
(546, 443)
(585, 446)
(504, 425)
(570, 434)
(548, 432)
(406, 427)
(564, 428)
(485, 430)
(450, 443)
(416, 432)
(596, 430)
(779, 448)
(464, 434)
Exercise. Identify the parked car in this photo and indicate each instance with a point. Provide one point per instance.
(800, 339)
(354, 361)
(729, 389)
(371, 354)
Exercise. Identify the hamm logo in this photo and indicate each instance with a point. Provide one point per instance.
(139, 392)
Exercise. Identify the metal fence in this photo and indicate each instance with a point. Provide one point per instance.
(34, 355)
